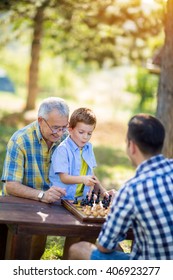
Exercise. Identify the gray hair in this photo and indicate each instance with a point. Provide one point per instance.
(53, 103)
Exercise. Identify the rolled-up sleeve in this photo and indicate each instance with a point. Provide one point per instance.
(118, 221)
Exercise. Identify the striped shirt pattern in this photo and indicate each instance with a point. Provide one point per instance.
(144, 203)
(28, 158)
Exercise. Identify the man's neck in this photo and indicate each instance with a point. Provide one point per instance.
(142, 158)
(49, 144)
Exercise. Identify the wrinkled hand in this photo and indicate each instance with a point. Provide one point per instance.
(53, 194)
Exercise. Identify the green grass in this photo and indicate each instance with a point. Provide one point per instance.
(114, 167)
(54, 248)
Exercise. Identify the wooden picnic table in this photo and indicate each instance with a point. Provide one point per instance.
(21, 218)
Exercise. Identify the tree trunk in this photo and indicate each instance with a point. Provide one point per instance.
(35, 55)
(165, 89)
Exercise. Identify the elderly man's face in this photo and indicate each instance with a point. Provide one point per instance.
(53, 127)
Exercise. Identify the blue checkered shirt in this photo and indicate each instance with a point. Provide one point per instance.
(144, 203)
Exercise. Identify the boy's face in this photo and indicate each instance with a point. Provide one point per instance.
(81, 133)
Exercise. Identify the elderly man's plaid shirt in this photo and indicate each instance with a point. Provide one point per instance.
(28, 158)
(144, 203)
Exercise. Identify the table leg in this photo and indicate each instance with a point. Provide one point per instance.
(18, 246)
(71, 240)
(24, 247)
(3, 239)
(37, 246)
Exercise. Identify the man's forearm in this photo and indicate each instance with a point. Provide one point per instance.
(20, 190)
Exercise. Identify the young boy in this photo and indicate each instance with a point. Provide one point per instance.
(73, 160)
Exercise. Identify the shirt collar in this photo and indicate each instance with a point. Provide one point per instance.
(152, 162)
(38, 131)
(74, 146)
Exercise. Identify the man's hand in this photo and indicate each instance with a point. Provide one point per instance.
(111, 192)
(53, 194)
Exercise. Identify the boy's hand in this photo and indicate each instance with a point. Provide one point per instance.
(89, 180)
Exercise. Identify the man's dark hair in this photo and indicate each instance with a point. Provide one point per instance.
(147, 132)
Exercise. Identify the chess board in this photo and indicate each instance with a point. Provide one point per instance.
(78, 211)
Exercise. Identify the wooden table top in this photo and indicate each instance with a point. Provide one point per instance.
(35, 217)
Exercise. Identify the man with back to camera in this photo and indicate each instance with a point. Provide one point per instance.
(144, 203)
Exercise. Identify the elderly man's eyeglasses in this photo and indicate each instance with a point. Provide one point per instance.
(57, 129)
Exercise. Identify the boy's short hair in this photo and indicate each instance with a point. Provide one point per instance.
(84, 115)
(147, 132)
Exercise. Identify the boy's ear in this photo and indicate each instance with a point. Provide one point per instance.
(70, 129)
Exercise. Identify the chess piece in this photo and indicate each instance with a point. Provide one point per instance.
(91, 201)
(102, 213)
(98, 197)
(75, 201)
(87, 200)
(83, 202)
(95, 213)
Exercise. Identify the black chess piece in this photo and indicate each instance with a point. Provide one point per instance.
(104, 200)
(86, 200)
(98, 194)
(109, 199)
(75, 201)
(91, 201)
(83, 203)
(98, 197)
(106, 204)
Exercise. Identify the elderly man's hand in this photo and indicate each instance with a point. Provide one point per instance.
(53, 194)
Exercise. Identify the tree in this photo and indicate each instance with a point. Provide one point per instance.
(35, 57)
(165, 89)
(82, 30)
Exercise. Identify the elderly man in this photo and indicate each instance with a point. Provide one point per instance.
(144, 203)
(26, 166)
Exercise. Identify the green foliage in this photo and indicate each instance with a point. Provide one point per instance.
(114, 167)
(85, 30)
(57, 78)
(144, 84)
(5, 134)
(100, 30)
(54, 248)
(111, 156)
